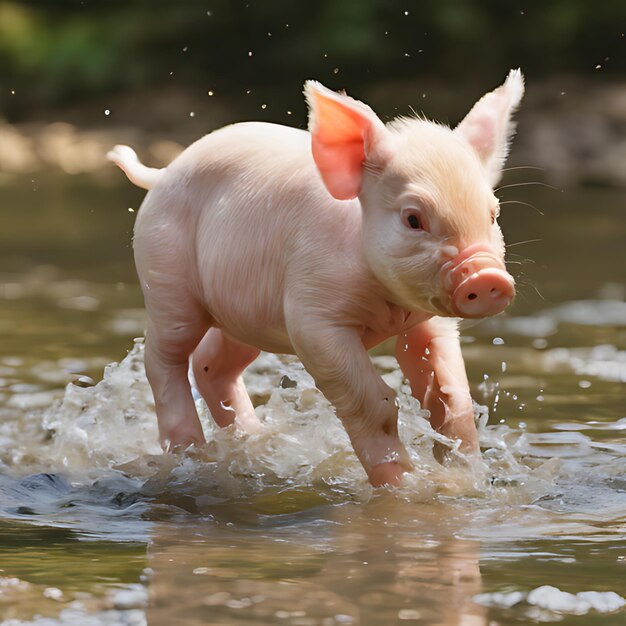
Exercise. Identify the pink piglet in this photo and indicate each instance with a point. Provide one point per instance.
(324, 243)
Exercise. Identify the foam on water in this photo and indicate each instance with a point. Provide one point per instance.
(118, 607)
(554, 602)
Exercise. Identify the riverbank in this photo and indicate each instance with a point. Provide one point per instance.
(573, 129)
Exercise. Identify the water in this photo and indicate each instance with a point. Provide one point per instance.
(97, 527)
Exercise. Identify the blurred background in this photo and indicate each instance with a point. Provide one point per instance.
(77, 77)
(180, 69)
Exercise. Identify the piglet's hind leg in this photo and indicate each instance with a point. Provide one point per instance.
(167, 363)
(217, 366)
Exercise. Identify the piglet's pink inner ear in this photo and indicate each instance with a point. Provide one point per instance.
(489, 127)
(345, 134)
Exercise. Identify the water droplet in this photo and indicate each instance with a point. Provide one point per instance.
(185, 48)
(406, 12)
(12, 92)
(264, 106)
(336, 70)
(498, 341)
(598, 67)
(209, 13)
(130, 209)
(107, 112)
(250, 53)
(288, 112)
(584, 384)
(210, 92)
(192, 114)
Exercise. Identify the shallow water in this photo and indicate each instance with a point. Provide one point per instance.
(98, 527)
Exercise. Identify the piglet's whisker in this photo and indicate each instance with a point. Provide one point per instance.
(532, 206)
(524, 283)
(524, 167)
(519, 243)
(520, 260)
(525, 184)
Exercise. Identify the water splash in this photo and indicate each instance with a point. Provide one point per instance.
(112, 426)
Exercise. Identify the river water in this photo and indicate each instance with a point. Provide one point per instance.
(98, 527)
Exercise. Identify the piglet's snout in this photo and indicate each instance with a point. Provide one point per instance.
(477, 282)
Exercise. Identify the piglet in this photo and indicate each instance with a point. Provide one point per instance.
(324, 244)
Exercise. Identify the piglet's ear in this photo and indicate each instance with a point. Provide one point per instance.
(488, 126)
(345, 134)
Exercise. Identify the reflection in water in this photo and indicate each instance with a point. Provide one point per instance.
(372, 564)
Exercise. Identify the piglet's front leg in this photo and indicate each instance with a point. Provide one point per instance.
(337, 360)
(430, 357)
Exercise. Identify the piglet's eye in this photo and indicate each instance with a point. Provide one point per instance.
(413, 219)
(414, 222)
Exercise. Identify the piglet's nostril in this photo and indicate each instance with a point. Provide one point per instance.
(472, 296)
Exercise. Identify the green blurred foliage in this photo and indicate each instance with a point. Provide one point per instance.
(59, 51)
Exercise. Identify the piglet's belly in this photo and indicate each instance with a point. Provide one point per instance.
(277, 340)
(267, 339)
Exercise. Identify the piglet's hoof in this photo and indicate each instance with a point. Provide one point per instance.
(386, 474)
(179, 441)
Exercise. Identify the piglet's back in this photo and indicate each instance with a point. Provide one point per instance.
(252, 151)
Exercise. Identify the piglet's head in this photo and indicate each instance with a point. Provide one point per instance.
(430, 231)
